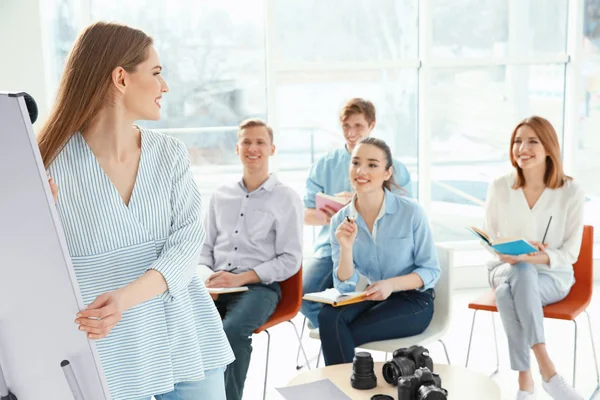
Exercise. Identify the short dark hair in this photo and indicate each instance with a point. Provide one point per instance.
(254, 122)
(389, 161)
(358, 106)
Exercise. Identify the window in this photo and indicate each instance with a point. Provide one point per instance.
(491, 67)
(587, 141)
(214, 59)
(474, 111)
(490, 64)
(498, 28)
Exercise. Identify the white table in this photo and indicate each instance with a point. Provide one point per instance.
(461, 383)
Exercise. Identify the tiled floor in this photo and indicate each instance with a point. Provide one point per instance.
(559, 338)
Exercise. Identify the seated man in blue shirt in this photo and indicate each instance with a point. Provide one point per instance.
(254, 239)
(386, 238)
(329, 175)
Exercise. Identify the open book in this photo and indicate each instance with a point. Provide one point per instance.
(333, 202)
(335, 298)
(204, 273)
(508, 246)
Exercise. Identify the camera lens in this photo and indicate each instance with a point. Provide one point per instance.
(363, 377)
(431, 392)
(397, 367)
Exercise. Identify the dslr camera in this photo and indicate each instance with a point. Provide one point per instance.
(423, 385)
(405, 362)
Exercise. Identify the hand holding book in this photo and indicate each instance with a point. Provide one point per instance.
(332, 204)
(506, 246)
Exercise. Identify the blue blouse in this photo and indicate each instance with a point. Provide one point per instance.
(401, 243)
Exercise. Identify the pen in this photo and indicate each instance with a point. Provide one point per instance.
(547, 226)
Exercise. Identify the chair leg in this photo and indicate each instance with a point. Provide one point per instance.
(496, 345)
(595, 358)
(445, 351)
(267, 364)
(574, 352)
(319, 355)
(470, 339)
(298, 366)
(386, 356)
(299, 337)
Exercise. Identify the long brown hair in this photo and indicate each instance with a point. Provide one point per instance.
(86, 82)
(554, 177)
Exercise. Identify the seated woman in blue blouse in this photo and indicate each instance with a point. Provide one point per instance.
(385, 237)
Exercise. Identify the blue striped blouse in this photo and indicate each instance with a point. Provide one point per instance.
(174, 337)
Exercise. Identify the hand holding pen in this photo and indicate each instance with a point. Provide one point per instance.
(346, 233)
(541, 246)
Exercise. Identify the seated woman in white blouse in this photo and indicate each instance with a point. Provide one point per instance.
(522, 204)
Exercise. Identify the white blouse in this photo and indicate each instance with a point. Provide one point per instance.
(507, 214)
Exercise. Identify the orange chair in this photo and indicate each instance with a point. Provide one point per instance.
(288, 308)
(568, 309)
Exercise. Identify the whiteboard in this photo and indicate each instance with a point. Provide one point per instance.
(39, 294)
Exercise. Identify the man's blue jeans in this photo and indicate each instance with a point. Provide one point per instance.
(242, 313)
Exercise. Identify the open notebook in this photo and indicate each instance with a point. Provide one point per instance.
(335, 298)
(204, 272)
(509, 246)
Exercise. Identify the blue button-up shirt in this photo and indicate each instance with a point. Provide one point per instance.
(259, 230)
(330, 175)
(401, 243)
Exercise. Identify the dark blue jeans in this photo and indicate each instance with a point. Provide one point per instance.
(242, 313)
(401, 315)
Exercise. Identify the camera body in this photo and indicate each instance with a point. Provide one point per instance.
(422, 385)
(405, 362)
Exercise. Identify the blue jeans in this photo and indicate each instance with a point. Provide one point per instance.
(521, 292)
(317, 276)
(401, 315)
(242, 313)
(212, 387)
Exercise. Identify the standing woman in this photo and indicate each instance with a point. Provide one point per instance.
(385, 237)
(131, 215)
(538, 202)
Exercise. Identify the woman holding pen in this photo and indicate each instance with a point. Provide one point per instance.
(385, 237)
(538, 202)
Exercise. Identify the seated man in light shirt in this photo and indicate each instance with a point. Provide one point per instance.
(253, 238)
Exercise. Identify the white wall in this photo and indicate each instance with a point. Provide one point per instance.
(22, 51)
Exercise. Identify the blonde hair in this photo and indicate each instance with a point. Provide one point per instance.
(85, 84)
(554, 177)
(255, 122)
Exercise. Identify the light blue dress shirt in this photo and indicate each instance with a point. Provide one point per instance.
(401, 243)
(330, 175)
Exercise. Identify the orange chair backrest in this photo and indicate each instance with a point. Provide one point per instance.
(584, 267)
